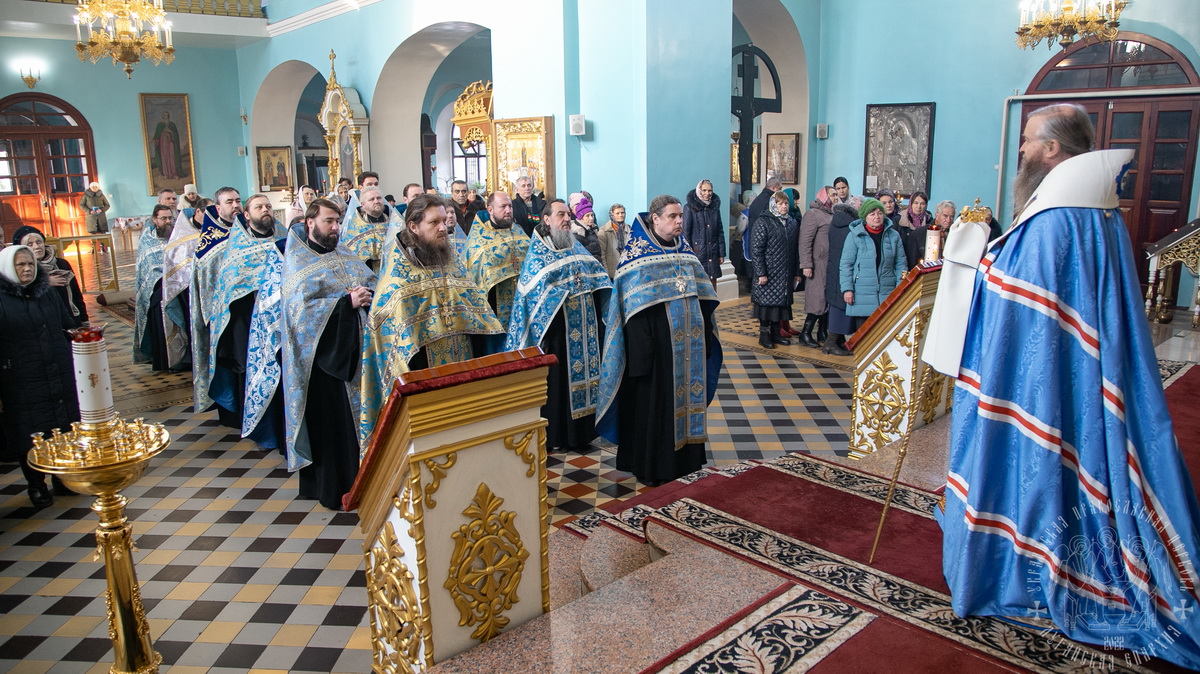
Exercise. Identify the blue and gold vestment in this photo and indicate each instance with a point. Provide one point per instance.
(650, 274)
(416, 308)
(493, 259)
(551, 280)
(150, 253)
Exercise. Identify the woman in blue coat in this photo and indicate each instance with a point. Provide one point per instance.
(873, 261)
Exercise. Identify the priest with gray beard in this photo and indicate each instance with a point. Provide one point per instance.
(561, 295)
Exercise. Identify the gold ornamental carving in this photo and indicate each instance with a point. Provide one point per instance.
(486, 566)
(1186, 251)
(932, 383)
(882, 402)
(521, 448)
(395, 614)
(438, 471)
(475, 102)
(344, 119)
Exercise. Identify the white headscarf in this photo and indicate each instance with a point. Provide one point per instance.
(8, 264)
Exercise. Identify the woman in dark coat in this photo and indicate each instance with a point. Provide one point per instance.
(37, 376)
(58, 271)
(703, 229)
(774, 249)
(839, 323)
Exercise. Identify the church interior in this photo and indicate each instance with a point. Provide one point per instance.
(808, 540)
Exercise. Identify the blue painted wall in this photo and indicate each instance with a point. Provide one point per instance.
(471, 61)
(109, 102)
(987, 68)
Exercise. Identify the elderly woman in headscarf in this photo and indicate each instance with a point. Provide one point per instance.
(773, 253)
(59, 272)
(814, 260)
(872, 262)
(702, 227)
(95, 204)
(298, 207)
(37, 376)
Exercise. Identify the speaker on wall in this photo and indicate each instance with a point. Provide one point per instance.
(822, 131)
(578, 125)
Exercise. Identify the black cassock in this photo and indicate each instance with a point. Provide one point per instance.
(331, 423)
(154, 332)
(561, 430)
(647, 402)
(230, 376)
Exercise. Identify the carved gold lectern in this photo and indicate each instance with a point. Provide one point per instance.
(451, 495)
(894, 392)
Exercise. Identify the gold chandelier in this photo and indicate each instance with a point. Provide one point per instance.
(1065, 21)
(126, 30)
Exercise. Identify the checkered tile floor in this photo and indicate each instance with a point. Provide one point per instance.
(238, 575)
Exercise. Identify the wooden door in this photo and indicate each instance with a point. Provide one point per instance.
(47, 159)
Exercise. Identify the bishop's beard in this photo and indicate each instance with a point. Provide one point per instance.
(1029, 176)
(432, 254)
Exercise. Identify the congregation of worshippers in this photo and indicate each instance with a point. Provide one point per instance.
(294, 330)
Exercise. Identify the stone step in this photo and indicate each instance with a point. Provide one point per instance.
(608, 555)
(629, 623)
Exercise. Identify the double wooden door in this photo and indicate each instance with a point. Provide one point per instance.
(47, 159)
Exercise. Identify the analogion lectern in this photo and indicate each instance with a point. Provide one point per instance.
(451, 495)
(894, 392)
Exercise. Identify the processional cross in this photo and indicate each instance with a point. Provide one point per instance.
(746, 106)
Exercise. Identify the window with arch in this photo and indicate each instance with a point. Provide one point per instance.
(469, 163)
(1130, 62)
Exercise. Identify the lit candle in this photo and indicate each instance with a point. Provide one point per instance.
(168, 33)
(78, 35)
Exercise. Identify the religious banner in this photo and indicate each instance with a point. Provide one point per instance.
(899, 148)
(524, 147)
(167, 141)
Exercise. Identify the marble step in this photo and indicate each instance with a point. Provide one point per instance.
(608, 555)
(630, 622)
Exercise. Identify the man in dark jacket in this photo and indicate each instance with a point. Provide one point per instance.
(759, 205)
(527, 206)
(464, 209)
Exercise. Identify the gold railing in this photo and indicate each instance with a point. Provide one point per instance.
(247, 8)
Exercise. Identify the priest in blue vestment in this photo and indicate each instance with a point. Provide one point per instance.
(559, 298)
(326, 293)
(249, 257)
(219, 219)
(661, 355)
(149, 340)
(1067, 496)
(495, 251)
(425, 309)
(179, 254)
(366, 224)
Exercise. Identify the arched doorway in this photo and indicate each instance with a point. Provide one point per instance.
(47, 159)
(1160, 129)
(399, 100)
(273, 117)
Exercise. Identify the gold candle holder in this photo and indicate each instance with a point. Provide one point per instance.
(99, 457)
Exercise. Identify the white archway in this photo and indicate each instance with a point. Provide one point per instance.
(273, 117)
(396, 106)
(772, 29)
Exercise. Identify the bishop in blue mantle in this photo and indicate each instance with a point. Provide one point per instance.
(661, 354)
(326, 293)
(1067, 496)
(559, 298)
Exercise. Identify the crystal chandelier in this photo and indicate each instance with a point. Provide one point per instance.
(1065, 21)
(126, 30)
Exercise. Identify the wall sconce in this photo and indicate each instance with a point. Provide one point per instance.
(30, 76)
